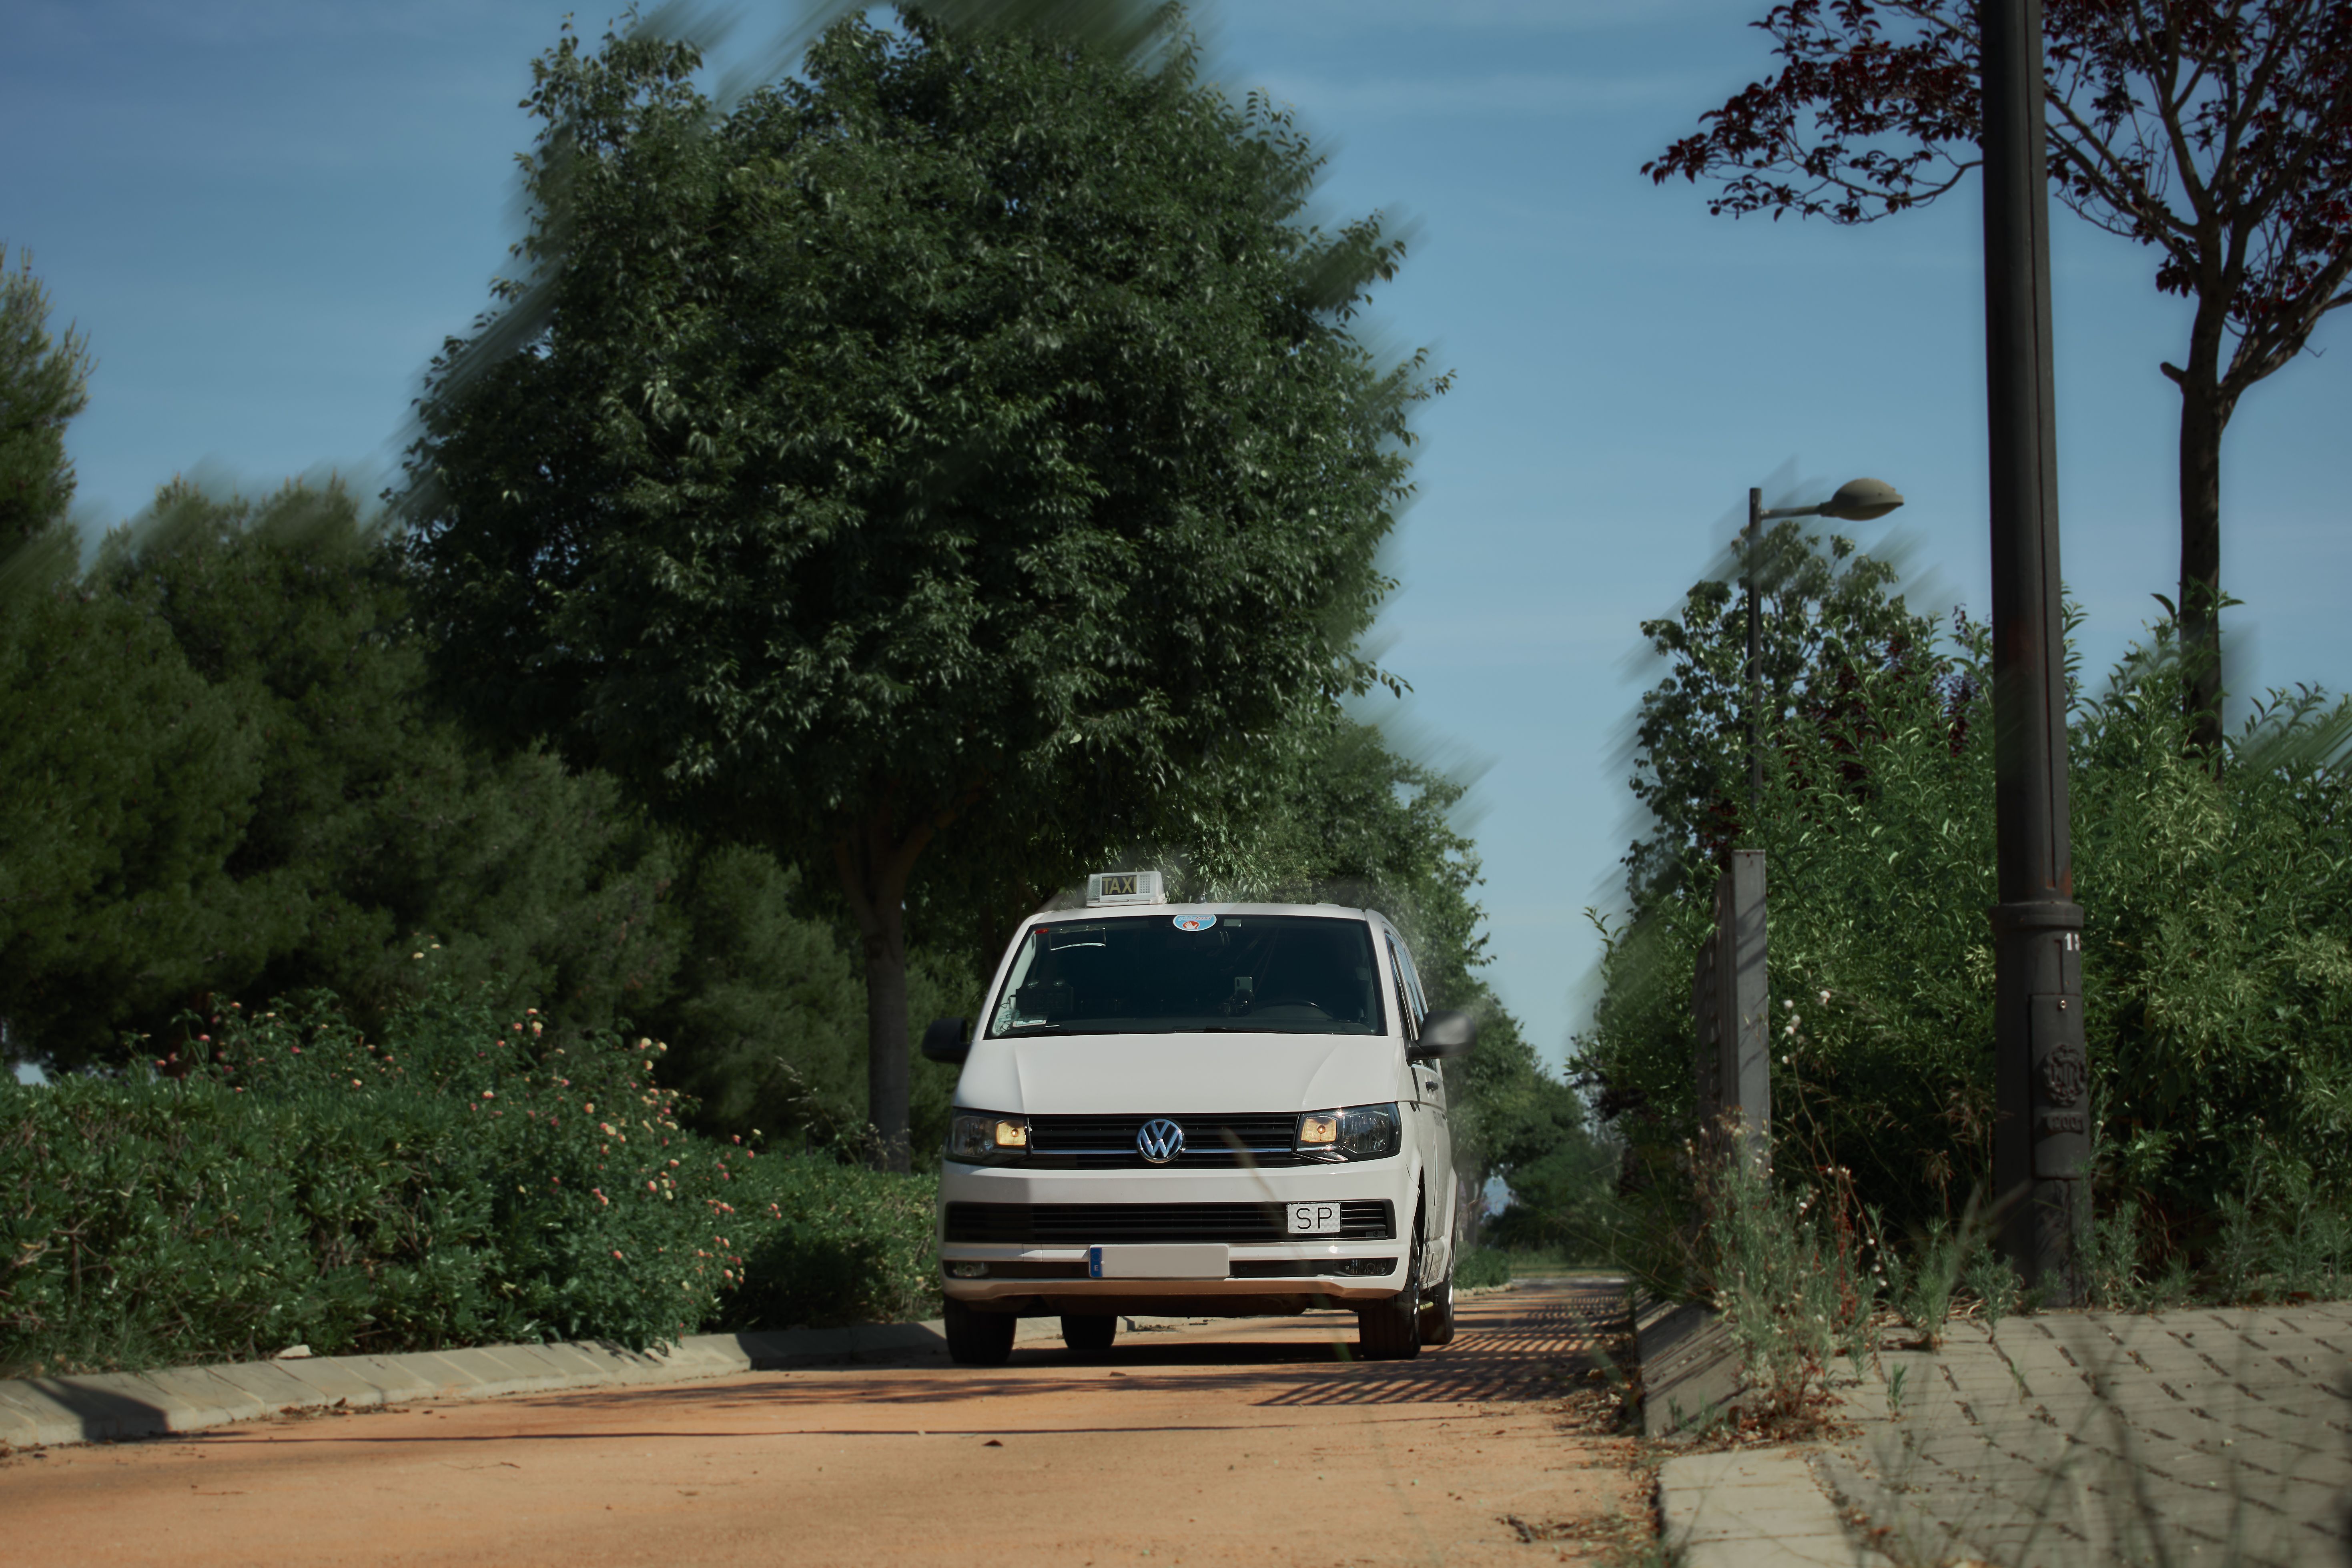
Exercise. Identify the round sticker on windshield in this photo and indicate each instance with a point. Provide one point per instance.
(1195, 922)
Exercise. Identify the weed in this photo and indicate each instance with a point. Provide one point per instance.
(1992, 1281)
(1786, 1277)
(1477, 1267)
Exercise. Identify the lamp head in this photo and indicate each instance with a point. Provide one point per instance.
(1862, 500)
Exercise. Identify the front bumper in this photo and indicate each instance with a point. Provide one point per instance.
(1268, 1270)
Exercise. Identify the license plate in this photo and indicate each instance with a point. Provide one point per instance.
(1313, 1219)
(1168, 1261)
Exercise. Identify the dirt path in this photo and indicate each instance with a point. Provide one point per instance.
(1239, 1442)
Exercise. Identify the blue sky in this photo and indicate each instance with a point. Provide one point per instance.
(266, 213)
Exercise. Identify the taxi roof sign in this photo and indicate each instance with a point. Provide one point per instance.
(1125, 887)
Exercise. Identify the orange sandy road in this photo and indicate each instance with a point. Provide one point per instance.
(1236, 1442)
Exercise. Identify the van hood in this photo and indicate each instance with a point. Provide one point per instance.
(1178, 1074)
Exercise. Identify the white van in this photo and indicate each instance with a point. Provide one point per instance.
(1198, 1110)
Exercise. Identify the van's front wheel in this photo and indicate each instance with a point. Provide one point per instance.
(1390, 1330)
(976, 1338)
(1437, 1315)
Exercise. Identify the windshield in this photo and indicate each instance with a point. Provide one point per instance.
(1176, 973)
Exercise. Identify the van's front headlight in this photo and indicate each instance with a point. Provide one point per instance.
(983, 1138)
(1356, 1133)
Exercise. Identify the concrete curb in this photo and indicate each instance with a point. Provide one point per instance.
(1753, 1507)
(1690, 1368)
(46, 1412)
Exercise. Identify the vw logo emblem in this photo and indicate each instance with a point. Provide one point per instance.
(1160, 1140)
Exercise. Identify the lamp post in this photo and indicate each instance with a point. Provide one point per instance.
(2042, 1131)
(1730, 998)
(1857, 500)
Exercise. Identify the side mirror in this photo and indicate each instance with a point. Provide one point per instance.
(1443, 1033)
(945, 1041)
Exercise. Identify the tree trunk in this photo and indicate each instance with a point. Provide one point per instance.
(887, 1093)
(2203, 415)
(874, 863)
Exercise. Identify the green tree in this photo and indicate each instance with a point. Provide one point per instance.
(124, 780)
(122, 777)
(1826, 619)
(221, 781)
(367, 819)
(44, 382)
(929, 460)
(767, 1016)
(2219, 135)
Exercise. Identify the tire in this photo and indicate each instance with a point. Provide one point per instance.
(1088, 1334)
(1437, 1314)
(1390, 1330)
(977, 1338)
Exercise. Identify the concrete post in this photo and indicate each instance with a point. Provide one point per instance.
(1731, 1008)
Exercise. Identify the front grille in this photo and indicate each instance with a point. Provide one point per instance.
(1092, 1225)
(1311, 1268)
(1211, 1143)
(1020, 1269)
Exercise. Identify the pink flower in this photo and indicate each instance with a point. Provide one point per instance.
(617, 1252)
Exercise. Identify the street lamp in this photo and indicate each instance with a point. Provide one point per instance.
(1857, 500)
(1730, 1001)
(2042, 1131)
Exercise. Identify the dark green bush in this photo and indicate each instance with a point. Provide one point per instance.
(2218, 900)
(460, 1181)
(1481, 1266)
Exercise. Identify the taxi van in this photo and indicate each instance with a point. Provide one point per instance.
(1198, 1110)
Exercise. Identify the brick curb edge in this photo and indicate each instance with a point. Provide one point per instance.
(48, 1412)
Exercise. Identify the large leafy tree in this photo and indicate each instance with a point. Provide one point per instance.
(929, 460)
(2217, 132)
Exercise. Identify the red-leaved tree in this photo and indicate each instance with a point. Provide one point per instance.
(2218, 132)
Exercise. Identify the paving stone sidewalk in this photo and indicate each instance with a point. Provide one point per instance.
(2189, 1436)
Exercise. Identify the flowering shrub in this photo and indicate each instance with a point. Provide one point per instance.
(283, 1179)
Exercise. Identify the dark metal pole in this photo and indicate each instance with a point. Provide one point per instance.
(1754, 669)
(2042, 1136)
